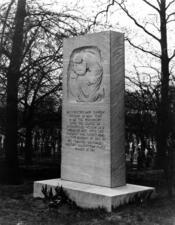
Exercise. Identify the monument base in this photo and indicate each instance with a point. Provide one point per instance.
(91, 196)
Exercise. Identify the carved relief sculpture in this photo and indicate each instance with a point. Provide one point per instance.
(85, 74)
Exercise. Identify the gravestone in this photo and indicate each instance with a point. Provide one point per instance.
(93, 110)
(93, 154)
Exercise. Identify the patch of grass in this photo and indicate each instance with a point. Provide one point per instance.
(17, 206)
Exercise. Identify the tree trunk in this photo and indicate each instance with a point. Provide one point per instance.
(12, 168)
(164, 154)
(163, 128)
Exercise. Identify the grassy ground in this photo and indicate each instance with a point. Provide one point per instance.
(17, 207)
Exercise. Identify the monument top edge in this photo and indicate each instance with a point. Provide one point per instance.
(94, 33)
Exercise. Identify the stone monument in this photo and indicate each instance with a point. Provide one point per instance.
(93, 154)
(93, 110)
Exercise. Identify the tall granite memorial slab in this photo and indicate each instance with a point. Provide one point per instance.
(93, 110)
(93, 154)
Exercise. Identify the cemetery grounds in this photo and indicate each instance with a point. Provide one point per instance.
(18, 207)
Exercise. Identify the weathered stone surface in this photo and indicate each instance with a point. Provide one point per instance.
(93, 110)
(92, 196)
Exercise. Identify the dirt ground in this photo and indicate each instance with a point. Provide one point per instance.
(18, 207)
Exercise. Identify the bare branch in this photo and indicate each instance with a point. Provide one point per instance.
(2, 43)
(154, 25)
(171, 14)
(30, 42)
(5, 20)
(122, 6)
(53, 90)
(170, 3)
(142, 49)
(173, 55)
(157, 70)
(101, 12)
(153, 6)
(173, 20)
(158, 2)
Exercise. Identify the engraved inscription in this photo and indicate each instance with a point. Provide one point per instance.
(85, 75)
(85, 130)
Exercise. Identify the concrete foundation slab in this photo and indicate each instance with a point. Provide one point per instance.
(92, 196)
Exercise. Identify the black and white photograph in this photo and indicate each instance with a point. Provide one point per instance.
(87, 112)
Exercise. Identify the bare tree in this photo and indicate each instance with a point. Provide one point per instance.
(38, 74)
(12, 94)
(157, 32)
